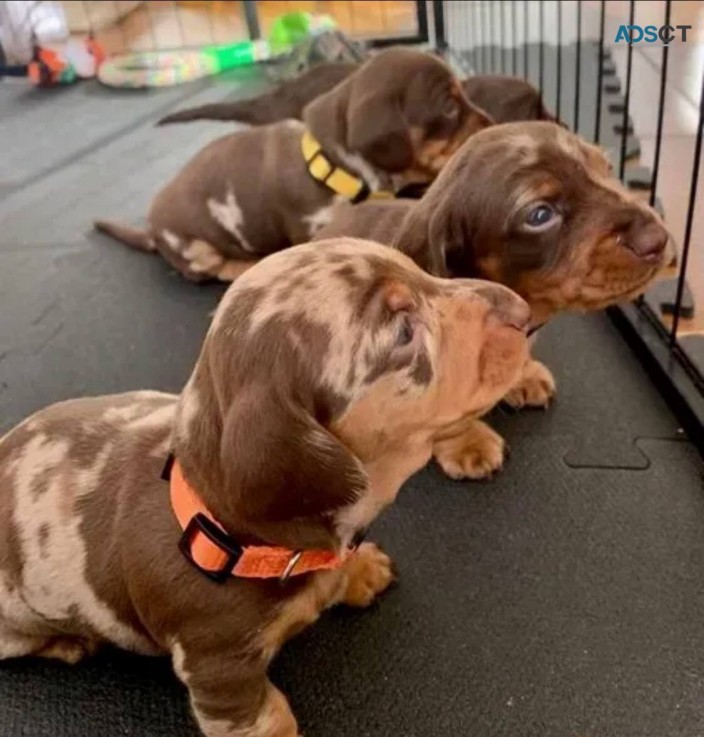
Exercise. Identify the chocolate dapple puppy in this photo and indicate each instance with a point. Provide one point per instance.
(324, 378)
(396, 119)
(534, 207)
(504, 99)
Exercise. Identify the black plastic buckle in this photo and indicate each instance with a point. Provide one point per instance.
(200, 523)
(166, 471)
(362, 195)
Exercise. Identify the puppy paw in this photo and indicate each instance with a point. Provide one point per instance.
(476, 454)
(535, 389)
(69, 650)
(370, 572)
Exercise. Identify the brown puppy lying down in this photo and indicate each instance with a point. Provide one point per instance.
(397, 119)
(504, 99)
(326, 375)
(534, 207)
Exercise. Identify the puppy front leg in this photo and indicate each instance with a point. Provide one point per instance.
(369, 572)
(477, 452)
(535, 389)
(232, 697)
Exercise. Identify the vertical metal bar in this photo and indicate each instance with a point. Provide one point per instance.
(439, 21)
(475, 38)
(600, 72)
(502, 8)
(541, 55)
(661, 108)
(251, 16)
(486, 48)
(558, 94)
(526, 26)
(578, 63)
(514, 40)
(627, 96)
(490, 11)
(422, 20)
(690, 219)
(177, 12)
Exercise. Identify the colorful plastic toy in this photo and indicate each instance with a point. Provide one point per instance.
(167, 68)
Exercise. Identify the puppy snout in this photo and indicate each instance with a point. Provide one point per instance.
(506, 305)
(647, 239)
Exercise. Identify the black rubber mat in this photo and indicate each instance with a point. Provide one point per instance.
(64, 123)
(557, 600)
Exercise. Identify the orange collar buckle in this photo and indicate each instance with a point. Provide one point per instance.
(209, 548)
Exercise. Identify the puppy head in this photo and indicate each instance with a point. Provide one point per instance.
(326, 371)
(534, 207)
(506, 99)
(402, 111)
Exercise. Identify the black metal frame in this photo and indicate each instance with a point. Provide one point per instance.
(658, 348)
(420, 37)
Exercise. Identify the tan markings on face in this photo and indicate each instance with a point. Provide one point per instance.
(319, 278)
(476, 358)
(599, 270)
(523, 149)
(535, 192)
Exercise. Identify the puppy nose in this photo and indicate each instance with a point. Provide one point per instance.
(506, 305)
(647, 240)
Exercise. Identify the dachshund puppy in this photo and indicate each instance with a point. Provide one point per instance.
(504, 99)
(534, 207)
(397, 119)
(325, 377)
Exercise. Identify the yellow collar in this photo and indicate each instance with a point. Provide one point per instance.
(338, 180)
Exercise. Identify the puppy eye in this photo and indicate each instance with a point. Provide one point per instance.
(541, 216)
(406, 332)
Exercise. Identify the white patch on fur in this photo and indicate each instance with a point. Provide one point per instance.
(172, 240)
(137, 410)
(328, 289)
(178, 659)
(228, 215)
(54, 583)
(157, 418)
(203, 258)
(358, 165)
(188, 408)
(20, 629)
(265, 724)
(323, 216)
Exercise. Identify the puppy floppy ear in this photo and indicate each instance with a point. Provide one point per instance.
(286, 475)
(262, 463)
(438, 236)
(379, 132)
(368, 123)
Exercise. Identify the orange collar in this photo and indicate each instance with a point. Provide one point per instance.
(208, 547)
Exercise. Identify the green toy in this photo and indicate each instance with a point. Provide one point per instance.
(167, 68)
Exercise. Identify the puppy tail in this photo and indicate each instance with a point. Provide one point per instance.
(139, 239)
(256, 111)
